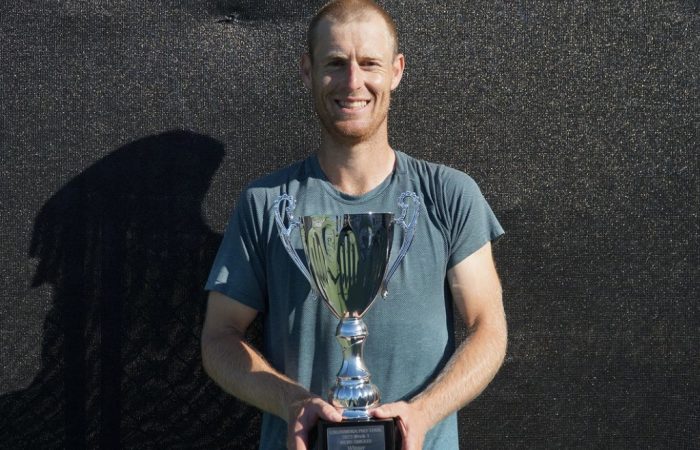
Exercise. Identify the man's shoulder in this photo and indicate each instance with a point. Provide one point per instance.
(278, 182)
(439, 173)
(274, 180)
(260, 194)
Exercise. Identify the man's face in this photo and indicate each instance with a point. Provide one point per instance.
(353, 72)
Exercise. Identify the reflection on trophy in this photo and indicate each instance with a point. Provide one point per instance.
(348, 257)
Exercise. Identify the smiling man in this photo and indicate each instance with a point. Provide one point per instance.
(351, 67)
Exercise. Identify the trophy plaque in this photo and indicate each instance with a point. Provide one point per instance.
(348, 265)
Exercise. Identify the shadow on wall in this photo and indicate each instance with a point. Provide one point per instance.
(126, 250)
(251, 10)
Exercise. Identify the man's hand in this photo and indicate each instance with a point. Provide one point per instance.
(411, 421)
(303, 415)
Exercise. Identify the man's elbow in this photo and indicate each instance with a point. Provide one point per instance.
(206, 349)
(500, 327)
(496, 330)
(212, 345)
(501, 342)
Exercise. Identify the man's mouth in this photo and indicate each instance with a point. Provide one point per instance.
(354, 104)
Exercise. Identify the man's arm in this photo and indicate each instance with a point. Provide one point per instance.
(241, 371)
(477, 295)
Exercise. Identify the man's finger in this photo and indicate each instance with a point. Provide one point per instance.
(300, 440)
(386, 411)
(328, 412)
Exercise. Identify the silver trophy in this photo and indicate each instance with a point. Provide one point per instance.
(348, 257)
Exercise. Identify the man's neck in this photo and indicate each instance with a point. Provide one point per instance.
(356, 168)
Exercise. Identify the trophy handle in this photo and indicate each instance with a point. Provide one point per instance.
(409, 231)
(284, 206)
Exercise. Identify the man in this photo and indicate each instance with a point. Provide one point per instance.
(351, 67)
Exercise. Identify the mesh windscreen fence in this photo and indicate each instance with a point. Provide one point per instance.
(129, 128)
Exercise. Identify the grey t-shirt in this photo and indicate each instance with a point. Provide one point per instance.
(410, 332)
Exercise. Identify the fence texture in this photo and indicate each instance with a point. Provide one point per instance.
(127, 129)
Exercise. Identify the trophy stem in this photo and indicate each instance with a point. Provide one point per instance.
(353, 392)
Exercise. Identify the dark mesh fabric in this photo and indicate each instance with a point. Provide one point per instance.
(127, 129)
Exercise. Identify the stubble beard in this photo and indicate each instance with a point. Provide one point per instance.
(353, 136)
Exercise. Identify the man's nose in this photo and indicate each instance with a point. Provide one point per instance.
(354, 76)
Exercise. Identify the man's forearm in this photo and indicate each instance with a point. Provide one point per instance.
(241, 371)
(466, 375)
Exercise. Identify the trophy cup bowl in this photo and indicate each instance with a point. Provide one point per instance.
(348, 265)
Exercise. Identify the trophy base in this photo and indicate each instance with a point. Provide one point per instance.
(374, 434)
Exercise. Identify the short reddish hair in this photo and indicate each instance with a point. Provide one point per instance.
(345, 11)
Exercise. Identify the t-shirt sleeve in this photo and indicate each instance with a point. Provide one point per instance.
(472, 222)
(237, 270)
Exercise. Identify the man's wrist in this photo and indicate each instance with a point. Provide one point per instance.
(423, 408)
(294, 396)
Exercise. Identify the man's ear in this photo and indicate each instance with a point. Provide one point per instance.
(305, 69)
(397, 69)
